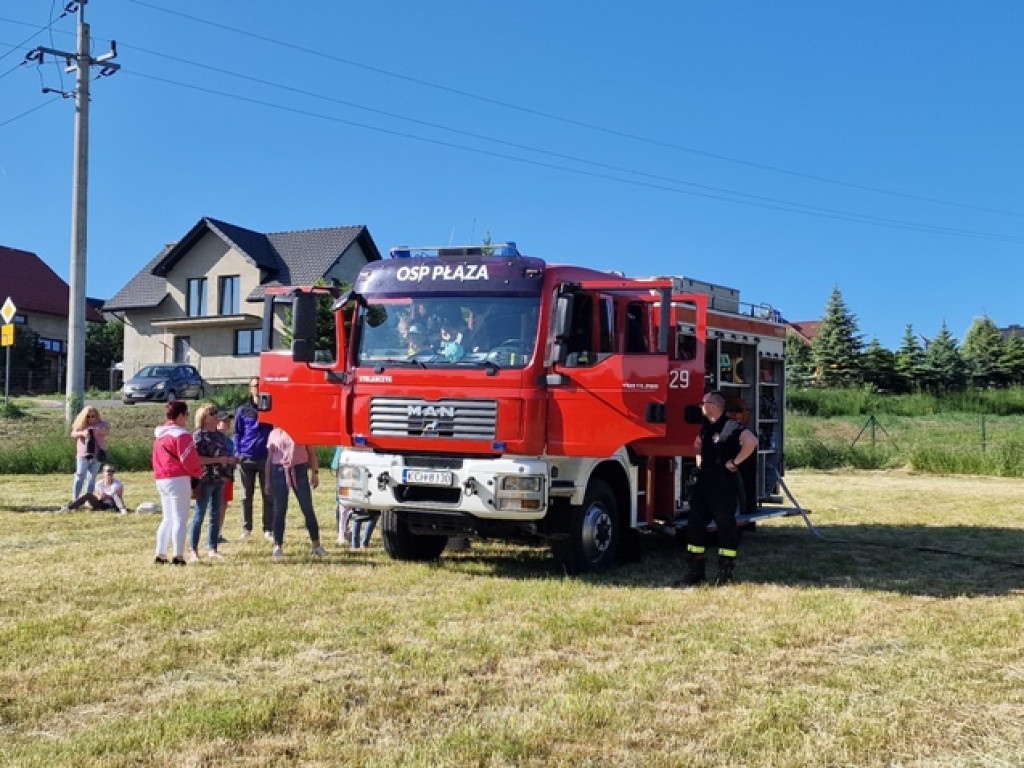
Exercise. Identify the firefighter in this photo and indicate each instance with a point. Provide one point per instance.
(722, 446)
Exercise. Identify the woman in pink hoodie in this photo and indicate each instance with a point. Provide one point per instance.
(175, 463)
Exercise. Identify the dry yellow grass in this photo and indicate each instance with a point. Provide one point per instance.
(825, 654)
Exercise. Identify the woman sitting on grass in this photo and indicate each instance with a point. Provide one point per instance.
(108, 494)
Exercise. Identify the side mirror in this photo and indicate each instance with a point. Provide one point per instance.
(304, 328)
(692, 414)
(562, 321)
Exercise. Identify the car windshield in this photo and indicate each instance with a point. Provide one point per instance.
(464, 331)
(154, 372)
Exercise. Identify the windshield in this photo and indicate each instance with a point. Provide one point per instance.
(463, 331)
(154, 372)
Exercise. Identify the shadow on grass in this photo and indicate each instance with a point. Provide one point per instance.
(916, 560)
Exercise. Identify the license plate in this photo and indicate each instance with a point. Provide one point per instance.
(426, 477)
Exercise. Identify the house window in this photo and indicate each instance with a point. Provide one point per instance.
(248, 342)
(182, 348)
(227, 291)
(52, 345)
(196, 297)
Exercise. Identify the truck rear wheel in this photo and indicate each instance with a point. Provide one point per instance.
(594, 530)
(401, 544)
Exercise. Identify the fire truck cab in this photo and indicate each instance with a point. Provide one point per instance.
(479, 392)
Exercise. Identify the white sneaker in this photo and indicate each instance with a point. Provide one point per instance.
(278, 552)
(342, 541)
(194, 557)
(63, 510)
(268, 536)
(213, 554)
(245, 534)
(319, 551)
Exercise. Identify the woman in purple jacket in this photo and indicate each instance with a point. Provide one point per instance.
(251, 449)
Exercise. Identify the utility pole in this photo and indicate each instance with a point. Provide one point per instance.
(81, 63)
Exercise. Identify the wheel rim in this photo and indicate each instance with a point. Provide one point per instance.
(597, 531)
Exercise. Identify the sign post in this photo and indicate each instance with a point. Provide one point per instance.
(7, 339)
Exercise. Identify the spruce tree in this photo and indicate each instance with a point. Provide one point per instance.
(799, 366)
(837, 349)
(878, 367)
(944, 369)
(910, 361)
(984, 354)
(1015, 359)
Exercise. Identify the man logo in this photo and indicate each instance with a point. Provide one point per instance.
(432, 411)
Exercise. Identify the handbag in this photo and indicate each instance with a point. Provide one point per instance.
(101, 455)
(195, 488)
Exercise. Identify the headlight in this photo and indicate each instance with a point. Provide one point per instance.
(520, 493)
(351, 482)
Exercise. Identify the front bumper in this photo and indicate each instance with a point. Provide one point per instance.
(514, 489)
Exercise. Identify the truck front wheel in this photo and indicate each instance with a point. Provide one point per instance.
(401, 544)
(594, 530)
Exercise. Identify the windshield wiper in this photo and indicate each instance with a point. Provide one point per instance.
(491, 366)
(380, 365)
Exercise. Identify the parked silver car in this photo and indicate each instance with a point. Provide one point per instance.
(166, 381)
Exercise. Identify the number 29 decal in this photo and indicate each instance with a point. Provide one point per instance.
(678, 378)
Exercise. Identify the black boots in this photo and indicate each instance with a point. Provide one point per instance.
(696, 573)
(726, 566)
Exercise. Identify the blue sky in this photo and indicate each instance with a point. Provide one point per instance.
(780, 148)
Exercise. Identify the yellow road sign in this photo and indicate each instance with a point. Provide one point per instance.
(6, 335)
(8, 311)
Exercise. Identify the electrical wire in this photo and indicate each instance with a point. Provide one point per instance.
(29, 111)
(578, 123)
(714, 194)
(29, 38)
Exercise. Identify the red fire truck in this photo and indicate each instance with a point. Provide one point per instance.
(478, 392)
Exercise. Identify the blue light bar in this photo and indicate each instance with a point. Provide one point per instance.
(500, 250)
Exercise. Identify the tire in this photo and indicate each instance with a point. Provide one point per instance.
(401, 544)
(200, 393)
(171, 395)
(595, 531)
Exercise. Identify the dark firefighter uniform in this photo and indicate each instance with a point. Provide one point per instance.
(724, 445)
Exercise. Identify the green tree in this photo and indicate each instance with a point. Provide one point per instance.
(944, 369)
(799, 366)
(878, 366)
(984, 354)
(104, 346)
(29, 367)
(837, 349)
(910, 361)
(1015, 359)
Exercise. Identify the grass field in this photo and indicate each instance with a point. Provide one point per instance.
(888, 651)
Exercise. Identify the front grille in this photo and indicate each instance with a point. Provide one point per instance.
(446, 418)
(425, 494)
(434, 462)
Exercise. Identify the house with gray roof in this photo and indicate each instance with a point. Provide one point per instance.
(200, 300)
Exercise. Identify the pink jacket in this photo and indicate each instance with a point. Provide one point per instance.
(100, 430)
(174, 453)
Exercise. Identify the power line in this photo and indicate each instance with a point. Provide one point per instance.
(29, 38)
(785, 204)
(580, 123)
(46, 103)
(767, 203)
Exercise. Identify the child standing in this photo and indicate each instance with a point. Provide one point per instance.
(224, 427)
